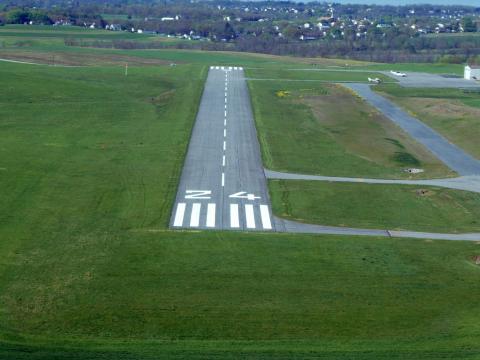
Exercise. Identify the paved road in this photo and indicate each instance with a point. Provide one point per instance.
(454, 157)
(425, 80)
(468, 183)
(222, 184)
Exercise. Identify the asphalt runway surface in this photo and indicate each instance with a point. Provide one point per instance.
(425, 80)
(454, 157)
(223, 185)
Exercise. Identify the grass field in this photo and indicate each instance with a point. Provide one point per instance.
(89, 164)
(393, 207)
(324, 129)
(454, 113)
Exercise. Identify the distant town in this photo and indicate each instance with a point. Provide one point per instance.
(381, 33)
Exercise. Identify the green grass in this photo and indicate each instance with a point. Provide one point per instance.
(375, 206)
(454, 113)
(89, 164)
(324, 129)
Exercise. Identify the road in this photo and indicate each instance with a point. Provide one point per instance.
(454, 157)
(223, 185)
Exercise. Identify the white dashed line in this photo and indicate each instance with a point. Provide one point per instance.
(211, 215)
(225, 122)
(250, 217)
(179, 214)
(223, 179)
(224, 132)
(234, 223)
(195, 217)
(265, 215)
(224, 145)
(225, 113)
(223, 160)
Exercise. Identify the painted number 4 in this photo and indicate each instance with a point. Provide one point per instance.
(244, 195)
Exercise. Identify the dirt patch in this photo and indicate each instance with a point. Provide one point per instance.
(444, 108)
(424, 192)
(68, 59)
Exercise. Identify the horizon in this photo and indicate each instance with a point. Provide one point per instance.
(475, 3)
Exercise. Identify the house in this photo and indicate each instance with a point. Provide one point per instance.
(472, 72)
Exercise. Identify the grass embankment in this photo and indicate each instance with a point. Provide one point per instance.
(454, 113)
(179, 295)
(324, 129)
(377, 206)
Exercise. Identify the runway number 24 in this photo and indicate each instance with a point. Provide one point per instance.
(207, 194)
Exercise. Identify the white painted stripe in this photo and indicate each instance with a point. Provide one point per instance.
(225, 122)
(265, 215)
(223, 179)
(195, 217)
(211, 215)
(224, 132)
(225, 112)
(225, 106)
(223, 160)
(178, 221)
(224, 145)
(250, 216)
(234, 223)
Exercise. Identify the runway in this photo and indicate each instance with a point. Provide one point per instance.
(223, 185)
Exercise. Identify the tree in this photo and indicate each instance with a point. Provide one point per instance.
(469, 25)
(17, 16)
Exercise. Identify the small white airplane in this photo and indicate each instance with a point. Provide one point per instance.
(375, 80)
(398, 73)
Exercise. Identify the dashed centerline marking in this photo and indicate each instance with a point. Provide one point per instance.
(224, 145)
(223, 179)
(223, 160)
(224, 132)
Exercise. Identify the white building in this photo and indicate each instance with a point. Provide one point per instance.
(472, 72)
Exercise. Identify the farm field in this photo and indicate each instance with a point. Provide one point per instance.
(453, 113)
(324, 129)
(375, 206)
(89, 165)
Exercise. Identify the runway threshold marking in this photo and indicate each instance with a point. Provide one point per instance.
(179, 215)
(250, 216)
(211, 215)
(234, 221)
(195, 218)
(265, 216)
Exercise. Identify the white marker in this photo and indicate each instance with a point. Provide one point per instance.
(223, 179)
(265, 214)
(224, 132)
(195, 217)
(234, 223)
(225, 112)
(224, 145)
(250, 216)
(211, 215)
(223, 160)
(179, 215)
(225, 122)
